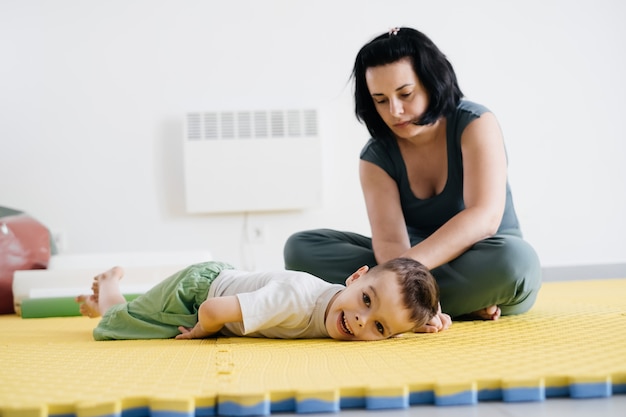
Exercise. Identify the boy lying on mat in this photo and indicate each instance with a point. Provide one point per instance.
(212, 298)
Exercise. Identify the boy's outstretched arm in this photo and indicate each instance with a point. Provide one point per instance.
(212, 315)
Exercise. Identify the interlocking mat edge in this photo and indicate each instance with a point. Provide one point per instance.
(571, 344)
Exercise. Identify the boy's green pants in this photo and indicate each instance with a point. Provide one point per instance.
(158, 313)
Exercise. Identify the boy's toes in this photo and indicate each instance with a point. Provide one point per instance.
(83, 310)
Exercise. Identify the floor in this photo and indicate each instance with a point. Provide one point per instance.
(614, 406)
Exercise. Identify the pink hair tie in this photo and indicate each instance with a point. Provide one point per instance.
(394, 31)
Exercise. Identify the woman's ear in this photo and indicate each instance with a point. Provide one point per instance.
(357, 274)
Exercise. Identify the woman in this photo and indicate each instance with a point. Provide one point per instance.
(434, 178)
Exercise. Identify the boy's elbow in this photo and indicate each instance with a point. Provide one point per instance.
(204, 309)
(214, 313)
(206, 316)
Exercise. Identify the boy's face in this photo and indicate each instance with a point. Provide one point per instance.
(370, 308)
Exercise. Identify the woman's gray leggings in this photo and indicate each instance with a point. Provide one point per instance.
(502, 270)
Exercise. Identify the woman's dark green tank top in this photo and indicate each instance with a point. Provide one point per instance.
(424, 216)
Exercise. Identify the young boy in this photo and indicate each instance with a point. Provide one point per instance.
(213, 298)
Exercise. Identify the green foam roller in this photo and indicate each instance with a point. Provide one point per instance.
(55, 307)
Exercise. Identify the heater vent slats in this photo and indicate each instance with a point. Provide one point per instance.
(259, 124)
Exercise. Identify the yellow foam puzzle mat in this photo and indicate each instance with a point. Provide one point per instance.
(571, 344)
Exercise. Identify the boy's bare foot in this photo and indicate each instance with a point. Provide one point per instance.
(90, 304)
(487, 313)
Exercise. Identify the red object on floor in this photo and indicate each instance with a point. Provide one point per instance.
(24, 244)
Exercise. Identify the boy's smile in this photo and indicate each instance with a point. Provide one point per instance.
(343, 324)
(370, 308)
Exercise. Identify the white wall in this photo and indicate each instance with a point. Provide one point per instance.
(93, 93)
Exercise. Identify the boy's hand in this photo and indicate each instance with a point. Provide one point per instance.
(212, 315)
(440, 322)
(194, 333)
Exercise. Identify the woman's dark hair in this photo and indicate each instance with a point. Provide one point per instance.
(429, 63)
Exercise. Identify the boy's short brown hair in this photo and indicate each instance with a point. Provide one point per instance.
(420, 291)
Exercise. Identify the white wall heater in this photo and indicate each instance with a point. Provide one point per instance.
(242, 161)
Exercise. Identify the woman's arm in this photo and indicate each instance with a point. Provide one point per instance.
(484, 184)
(484, 194)
(382, 200)
(213, 314)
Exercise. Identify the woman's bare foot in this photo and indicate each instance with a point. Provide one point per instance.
(106, 293)
(487, 313)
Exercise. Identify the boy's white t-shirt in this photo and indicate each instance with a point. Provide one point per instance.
(279, 304)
